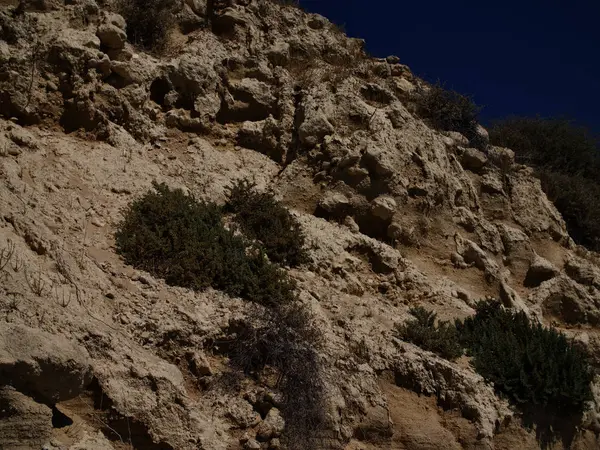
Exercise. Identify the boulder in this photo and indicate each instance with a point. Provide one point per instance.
(473, 254)
(501, 157)
(480, 138)
(564, 299)
(314, 129)
(453, 386)
(111, 36)
(334, 204)
(492, 183)
(279, 54)
(48, 367)
(241, 413)
(271, 427)
(262, 136)
(540, 270)
(473, 160)
(383, 207)
(378, 161)
(583, 272)
(197, 6)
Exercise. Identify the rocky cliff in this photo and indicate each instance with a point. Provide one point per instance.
(97, 355)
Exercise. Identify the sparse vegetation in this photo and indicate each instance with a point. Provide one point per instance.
(449, 110)
(425, 331)
(535, 367)
(177, 237)
(567, 159)
(183, 240)
(263, 218)
(528, 362)
(285, 338)
(148, 21)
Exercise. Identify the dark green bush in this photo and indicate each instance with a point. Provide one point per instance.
(553, 144)
(567, 159)
(181, 239)
(449, 110)
(148, 21)
(263, 218)
(536, 367)
(440, 338)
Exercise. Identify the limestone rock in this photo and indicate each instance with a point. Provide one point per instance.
(48, 367)
(583, 272)
(271, 427)
(563, 298)
(198, 6)
(383, 207)
(25, 423)
(335, 204)
(492, 183)
(501, 157)
(473, 160)
(252, 444)
(473, 254)
(468, 392)
(242, 414)
(314, 129)
(481, 137)
(262, 136)
(111, 36)
(539, 271)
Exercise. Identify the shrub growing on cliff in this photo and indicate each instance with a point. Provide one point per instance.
(449, 110)
(440, 338)
(178, 238)
(536, 367)
(148, 21)
(528, 362)
(567, 159)
(263, 218)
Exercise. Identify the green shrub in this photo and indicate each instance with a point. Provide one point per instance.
(553, 144)
(440, 338)
(536, 367)
(567, 159)
(449, 110)
(262, 218)
(181, 239)
(148, 21)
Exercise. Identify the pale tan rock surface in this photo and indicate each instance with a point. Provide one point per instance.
(396, 215)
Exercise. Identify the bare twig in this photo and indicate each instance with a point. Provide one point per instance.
(61, 297)
(34, 58)
(17, 264)
(6, 254)
(35, 282)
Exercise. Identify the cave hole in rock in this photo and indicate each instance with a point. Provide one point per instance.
(59, 419)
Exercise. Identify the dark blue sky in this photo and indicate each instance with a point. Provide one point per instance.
(522, 57)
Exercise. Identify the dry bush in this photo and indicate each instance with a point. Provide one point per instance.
(149, 21)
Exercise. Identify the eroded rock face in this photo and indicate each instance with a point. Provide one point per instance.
(540, 270)
(263, 91)
(24, 423)
(568, 301)
(47, 367)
